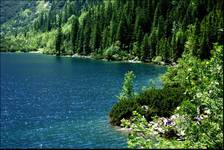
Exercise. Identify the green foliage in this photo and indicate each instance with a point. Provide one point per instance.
(82, 17)
(157, 59)
(145, 29)
(127, 91)
(50, 38)
(42, 7)
(161, 102)
(208, 99)
(113, 52)
(10, 8)
(74, 31)
(26, 13)
(58, 41)
(149, 102)
(160, 133)
(198, 121)
(123, 109)
(144, 54)
(20, 42)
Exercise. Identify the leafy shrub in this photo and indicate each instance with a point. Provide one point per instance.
(115, 53)
(199, 119)
(121, 110)
(150, 102)
(159, 133)
(161, 102)
(157, 59)
(110, 52)
(96, 55)
(127, 89)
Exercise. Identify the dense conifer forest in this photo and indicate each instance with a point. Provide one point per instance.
(147, 30)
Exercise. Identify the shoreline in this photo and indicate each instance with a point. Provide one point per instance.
(40, 51)
(117, 128)
(122, 129)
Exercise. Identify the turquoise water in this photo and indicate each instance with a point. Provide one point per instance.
(58, 102)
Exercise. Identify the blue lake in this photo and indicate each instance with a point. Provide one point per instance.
(59, 102)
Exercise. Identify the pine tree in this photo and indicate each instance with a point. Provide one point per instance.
(86, 45)
(145, 48)
(105, 39)
(65, 13)
(41, 21)
(58, 41)
(48, 21)
(160, 27)
(127, 88)
(153, 39)
(112, 32)
(95, 37)
(122, 32)
(80, 39)
(74, 32)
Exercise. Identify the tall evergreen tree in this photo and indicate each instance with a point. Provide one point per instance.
(58, 38)
(145, 48)
(58, 41)
(74, 32)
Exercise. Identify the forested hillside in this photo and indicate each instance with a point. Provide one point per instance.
(147, 30)
(13, 6)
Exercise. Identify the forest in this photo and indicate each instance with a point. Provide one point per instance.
(187, 112)
(148, 30)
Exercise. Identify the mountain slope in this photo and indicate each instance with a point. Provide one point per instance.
(147, 30)
(9, 9)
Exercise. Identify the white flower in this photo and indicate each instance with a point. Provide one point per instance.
(160, 130)
(173, 117)
(151, 122)
(207, 111)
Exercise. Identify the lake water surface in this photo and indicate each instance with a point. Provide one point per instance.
(58, 102)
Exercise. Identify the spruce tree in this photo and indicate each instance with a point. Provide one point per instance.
(58, 41)
(74, 32)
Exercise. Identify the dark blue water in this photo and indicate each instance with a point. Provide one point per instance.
(53, 102)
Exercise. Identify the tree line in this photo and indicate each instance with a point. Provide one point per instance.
(147, 30)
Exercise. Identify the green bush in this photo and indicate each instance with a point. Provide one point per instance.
(150, 102)
(96, 56)
(115, 53)
(198, 120)
(123, 109)
(161, 102)
(127, 91)
(110, 52)
(157, 59)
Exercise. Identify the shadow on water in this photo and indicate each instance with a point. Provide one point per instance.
(58, 58)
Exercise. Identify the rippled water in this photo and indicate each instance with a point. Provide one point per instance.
(58, 102)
